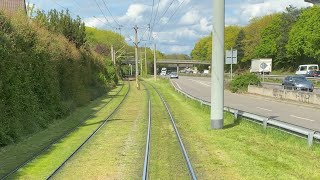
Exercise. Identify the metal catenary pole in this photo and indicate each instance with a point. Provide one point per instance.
(136, 56)
(145, 59)
(155, 62)
(141, 61)
(112, 54)
(217, 79)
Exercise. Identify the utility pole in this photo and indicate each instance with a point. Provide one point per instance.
(145, 59)
(155, 63)
(112, 54)
(217, 79)
(141, 62)
(136, 55)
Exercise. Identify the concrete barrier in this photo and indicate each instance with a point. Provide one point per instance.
(299, 96)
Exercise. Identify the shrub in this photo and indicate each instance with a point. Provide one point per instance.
(241, 82)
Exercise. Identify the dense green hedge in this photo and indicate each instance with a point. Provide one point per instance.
(43, 77)
(241, 82)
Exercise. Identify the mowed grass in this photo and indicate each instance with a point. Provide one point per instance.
(166, 159)
(44, 165)
(242, 150)
(117, 150)
(13, 155)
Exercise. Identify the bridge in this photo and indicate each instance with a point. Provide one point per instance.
(171, 61)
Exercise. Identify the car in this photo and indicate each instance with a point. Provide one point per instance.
(297, 83)
(174, 75)
(304, 69)
(313, 74)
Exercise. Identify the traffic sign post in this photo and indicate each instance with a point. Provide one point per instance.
(263, 67)
(231, 58)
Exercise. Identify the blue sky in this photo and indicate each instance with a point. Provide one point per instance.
(178, 24)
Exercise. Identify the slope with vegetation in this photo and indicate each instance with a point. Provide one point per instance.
(46, 71)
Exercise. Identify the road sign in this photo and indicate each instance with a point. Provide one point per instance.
(232, 56)
(263, 65)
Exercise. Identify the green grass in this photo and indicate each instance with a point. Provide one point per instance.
(242, 150)
(45, 164)
(166, 159)
(13, 155)
(117, 150)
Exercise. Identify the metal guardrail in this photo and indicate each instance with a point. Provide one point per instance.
(310, 134)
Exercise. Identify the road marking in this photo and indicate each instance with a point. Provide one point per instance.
(178, 85)
(200, 82)
(264, 109)
(302, 118)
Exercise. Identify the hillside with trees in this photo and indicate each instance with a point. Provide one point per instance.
(47, 70)
(290, 38)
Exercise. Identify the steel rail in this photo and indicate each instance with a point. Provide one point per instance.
(35, 155)
(147, 153)
(185, 155)
(94, 133)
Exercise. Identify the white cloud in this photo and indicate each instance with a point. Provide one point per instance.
(134, 13)
(180, 49)
(249, 11)
(205, 25)
(95, 22)
(190, 18)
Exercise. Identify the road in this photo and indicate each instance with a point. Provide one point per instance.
(294, 113)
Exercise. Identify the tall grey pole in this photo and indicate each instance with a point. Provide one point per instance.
(145, 59)
(141, 62)
(136, 56)
(155, 63)
(112, 54)
(217, 79)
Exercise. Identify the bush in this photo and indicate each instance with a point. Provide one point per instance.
(241, 82)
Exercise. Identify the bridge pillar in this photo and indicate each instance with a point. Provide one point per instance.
(177, 68)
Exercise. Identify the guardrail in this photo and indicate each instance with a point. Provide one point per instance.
(309, 134)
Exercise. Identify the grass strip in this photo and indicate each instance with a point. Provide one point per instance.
(13, 155)
(117, 150)
(45, 164)
(242, 150)
(166, 158)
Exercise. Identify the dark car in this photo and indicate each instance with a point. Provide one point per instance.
(313, 73)
(297, 83)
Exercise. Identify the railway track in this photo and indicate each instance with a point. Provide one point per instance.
(148, 139)
(88, 139)
(37, 154)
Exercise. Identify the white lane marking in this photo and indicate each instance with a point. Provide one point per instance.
(178, 85)
(200, 82)
(302, 118)
(264, 109)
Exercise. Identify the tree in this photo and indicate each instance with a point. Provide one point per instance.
(275, 37)
(304, 38)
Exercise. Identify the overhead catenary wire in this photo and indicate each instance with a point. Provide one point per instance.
(154, 20)
(105, 4)
(165, 12)
(103, 14)
(176, 10)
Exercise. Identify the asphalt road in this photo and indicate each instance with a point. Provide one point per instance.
(294, 113)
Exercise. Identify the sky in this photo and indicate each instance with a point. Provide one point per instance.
(175, 25)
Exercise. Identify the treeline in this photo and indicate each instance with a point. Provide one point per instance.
(290, 38)
(46, 71)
